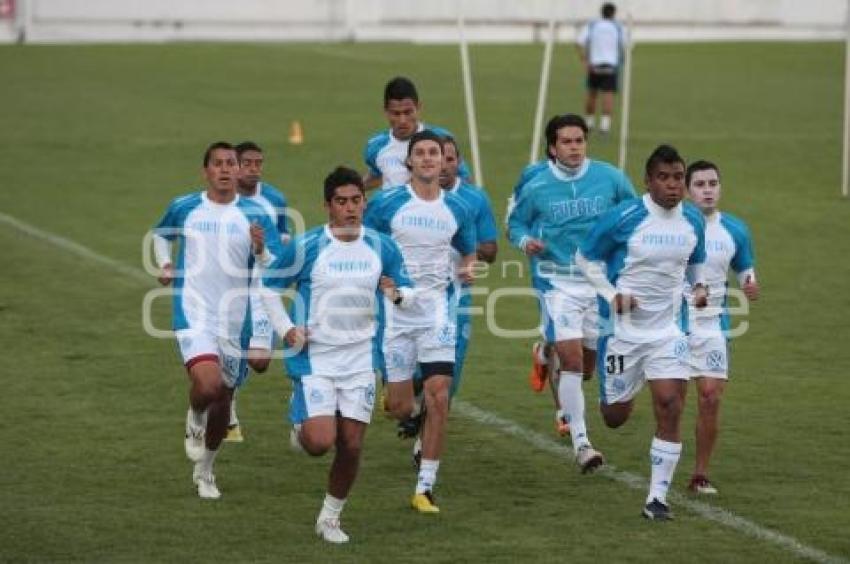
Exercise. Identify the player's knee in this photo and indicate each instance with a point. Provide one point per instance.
(317, 444)
(259, 365)
(669, 406)
(709, 400)
(614, 420)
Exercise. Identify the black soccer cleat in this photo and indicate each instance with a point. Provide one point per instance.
(657, 511)
(409, 428)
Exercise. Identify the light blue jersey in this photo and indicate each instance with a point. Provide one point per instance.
(337, 298)
(485, 232)
(646, 249)
(273, 201)
(560, 210)
(385, 156)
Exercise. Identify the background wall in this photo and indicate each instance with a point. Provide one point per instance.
(408, 20)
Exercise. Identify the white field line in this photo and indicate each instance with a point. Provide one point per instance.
(494, 421)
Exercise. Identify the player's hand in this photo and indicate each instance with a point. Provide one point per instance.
(258, 238)
(533, 247)
(296, 337)
(466, 274)
(624, 303)
(700, 296)
(387, 286)
(166, 275)
(751, 289)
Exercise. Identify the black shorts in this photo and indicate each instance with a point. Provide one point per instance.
(602, 77)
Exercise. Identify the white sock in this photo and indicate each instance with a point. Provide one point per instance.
(331, 508)
(199, 418)
(572, 404)
(604, 122)
(663, 456)
(234, 420)
(207, 460)
(427, 475)
(590, 120)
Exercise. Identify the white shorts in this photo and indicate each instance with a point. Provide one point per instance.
(197, 345)
(352, 397)
(570, 315)
(623, 366)
(709, 355)
(403, 348)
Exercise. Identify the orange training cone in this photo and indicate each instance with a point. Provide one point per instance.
(296, 133)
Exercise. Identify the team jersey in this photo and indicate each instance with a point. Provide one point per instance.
(274, 203)
(727, 245)
(482, 214)
(527, 173)
(214, 263)
(646, 250)
(426, 231)
(560, 210)
(603, 41)
(385, 156)
(336, 285)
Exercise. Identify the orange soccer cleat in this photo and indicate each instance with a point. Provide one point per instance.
(539, 371)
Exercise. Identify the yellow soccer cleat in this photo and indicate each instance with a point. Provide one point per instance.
(424, 503)
(234, 434)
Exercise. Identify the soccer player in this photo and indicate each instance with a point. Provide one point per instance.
(426, 222)
(647, 245)
(554, 212)
(221, 236)
(251, 186)
(386, 152)
(337, 270)
(728, 245)
(600, 45)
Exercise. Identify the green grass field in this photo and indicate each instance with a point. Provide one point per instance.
(97, 139)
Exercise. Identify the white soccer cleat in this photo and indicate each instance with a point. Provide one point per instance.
(330, 531)
(206, 484)
(195, 436)
(588, 458)
(295, 439)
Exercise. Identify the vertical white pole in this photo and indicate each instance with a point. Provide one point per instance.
(544, 86)
(626, 101)
(469, 99)
(845, 162)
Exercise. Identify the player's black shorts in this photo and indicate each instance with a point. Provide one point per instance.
(602, 77)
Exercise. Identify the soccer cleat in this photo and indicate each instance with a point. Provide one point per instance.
(561, 425)
(295, 439)
(699, 484)
(588, 458)
(657, 511)
(409, 428)
(417, 453)
(330, 531)
(194, 442)
(234, 434)
(205, 481)
(424, 503)
(538, 375)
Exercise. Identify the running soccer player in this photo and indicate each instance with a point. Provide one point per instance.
(426, 222)
(727, 245)
(337, 270)
(647, 245)
(385, 153)
(554, 212)
(221, 236)
(251, 187)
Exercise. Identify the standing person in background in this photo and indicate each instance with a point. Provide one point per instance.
(601, 44)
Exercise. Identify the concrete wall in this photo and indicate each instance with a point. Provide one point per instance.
(415, 20)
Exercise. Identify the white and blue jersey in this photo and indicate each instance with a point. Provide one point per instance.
(425, 231)
(214, 263)
(485, 232)
(273, 202)
(385, 156)
(646, 249)
(560, 209)
(336, 285)
(727, 245)
(527, 173)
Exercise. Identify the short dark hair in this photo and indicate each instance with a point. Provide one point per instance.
(400, 88)
(246, 146)
(666, 154)
(424, 135)
(342, 176)
(608, 10)
(564, 120)
(449, 140)
(213, 147)
(697, 166)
